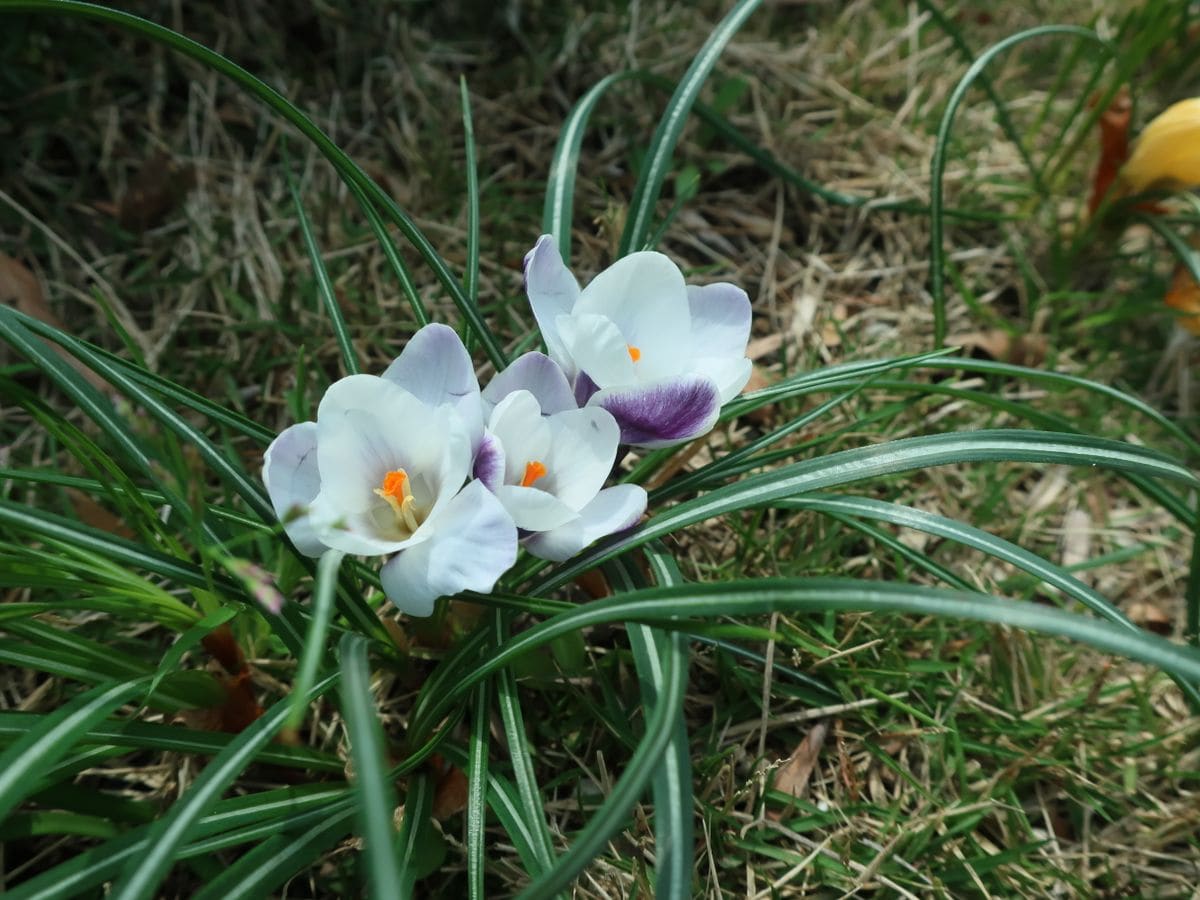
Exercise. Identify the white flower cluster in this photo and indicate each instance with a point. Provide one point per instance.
(420, 465)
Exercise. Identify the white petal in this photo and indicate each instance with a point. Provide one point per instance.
(367, 427)
(435, 367)
(598, 348)
(489, 462)
(583, 449)
(474, 543)
(533, 509)
(720, 320)
(293, 482)
(552, 291)
(518, 424)
(730, 374)
(537, 373)
(644, 295)
(614, 509)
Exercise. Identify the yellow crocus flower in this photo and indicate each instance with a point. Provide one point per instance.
(1166, 156)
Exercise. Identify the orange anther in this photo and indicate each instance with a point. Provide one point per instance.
(533, 471)
(634, 353)
(394, 484)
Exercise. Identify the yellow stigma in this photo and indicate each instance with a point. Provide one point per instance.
(533, 471)
(634, 353)
(399, 497)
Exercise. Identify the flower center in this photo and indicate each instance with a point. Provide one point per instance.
(396, 492)
(533, 471)
(634, 353)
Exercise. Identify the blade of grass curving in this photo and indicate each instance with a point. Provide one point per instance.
(373, 785)
(674, 844)
(892, 457)
(260, 871)
(399, 266)
(1184, 252)
(1191, 597)
(185, 642)
(1003, 119)
(418, 805)
(560, 185)
(173, 739)
(471, 272)
(140, 879)
(477, 781)
(318, 630)
(507, 698)
(329, 300)
(345, 166)
(55, 734)
(670, 127)
(671, 607)
(941, 144)
(661, 723)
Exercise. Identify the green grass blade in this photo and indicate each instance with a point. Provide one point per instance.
(507, 698)
(662, 146)
(418, 805)
(373, 784)
(260, 871)
(937, 166)
(892, 457)
(141, 879)
(318, 630)
(186, 641)
(477, 779)
(40, 747)
(329, 300)
(660, 729)
(471, 272)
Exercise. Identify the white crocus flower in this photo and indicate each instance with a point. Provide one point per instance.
(660, 355)
(548, 471)
(382, 472)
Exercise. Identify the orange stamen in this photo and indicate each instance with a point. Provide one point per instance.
(533, 471)
(394, 483)
(634, 353)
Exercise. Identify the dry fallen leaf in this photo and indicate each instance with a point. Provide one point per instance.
(792, 777)
(1151, 616)
(92, 513)
(1018, 349)
(157, 188)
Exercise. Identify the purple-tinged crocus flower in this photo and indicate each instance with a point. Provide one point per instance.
(382, 472)
(660, 355)
(548, 471)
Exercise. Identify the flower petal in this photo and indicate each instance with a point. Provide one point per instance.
(720, 320)
(435, 367)
(552, 291)
(518, 424)
(489, 462)
(664, 413)
(293, 482)
(613, 509)
(729, 373)
(534, 509)
(583, 449)
(644, 295)
(367, 427)
(537, 373)
(598, 349)
(474, 543)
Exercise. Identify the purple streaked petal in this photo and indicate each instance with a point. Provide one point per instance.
(552, 292)
(613, 509)
(537, 373)
(489, 462)
(663, 413)
(474, 544)
(584, 388)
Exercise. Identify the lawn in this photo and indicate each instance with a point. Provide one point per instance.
(915, 619)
